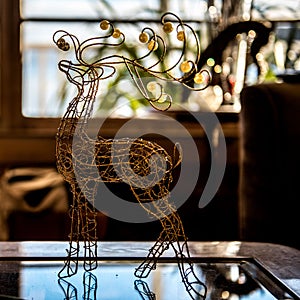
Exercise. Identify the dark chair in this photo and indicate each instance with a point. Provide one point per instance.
(269, 193)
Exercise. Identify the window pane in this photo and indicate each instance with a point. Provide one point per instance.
(43, 83)
(276, 9)
(46, 91)
(44, 86)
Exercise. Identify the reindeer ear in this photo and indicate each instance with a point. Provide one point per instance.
(177, 155)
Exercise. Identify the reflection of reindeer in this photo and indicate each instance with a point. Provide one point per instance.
(145, 166)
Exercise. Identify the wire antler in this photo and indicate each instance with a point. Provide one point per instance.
(161, 68)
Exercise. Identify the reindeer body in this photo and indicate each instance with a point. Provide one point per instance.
(145, 166)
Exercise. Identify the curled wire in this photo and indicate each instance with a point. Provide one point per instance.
(105, 67)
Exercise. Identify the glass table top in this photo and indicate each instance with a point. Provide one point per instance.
(230, 279)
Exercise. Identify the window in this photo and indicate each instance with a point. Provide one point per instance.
(30, 82)
(42, 82)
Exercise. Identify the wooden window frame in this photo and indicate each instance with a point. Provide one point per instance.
(11, 118)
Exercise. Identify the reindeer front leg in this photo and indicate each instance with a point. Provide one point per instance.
(71, 263)
(89, 234)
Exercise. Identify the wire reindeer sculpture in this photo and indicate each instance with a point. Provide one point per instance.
(146, 166)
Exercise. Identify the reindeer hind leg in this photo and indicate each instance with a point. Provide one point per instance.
(194, 286)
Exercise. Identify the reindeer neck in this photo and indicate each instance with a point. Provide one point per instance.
(79, 111)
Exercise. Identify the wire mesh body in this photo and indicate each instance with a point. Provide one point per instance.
(144, 166)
